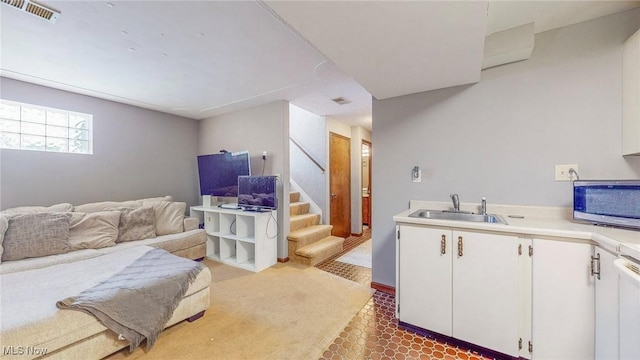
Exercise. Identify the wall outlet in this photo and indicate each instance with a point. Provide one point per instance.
(563, 174)
(264, 155)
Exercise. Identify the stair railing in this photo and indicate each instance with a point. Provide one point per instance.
(304, 151)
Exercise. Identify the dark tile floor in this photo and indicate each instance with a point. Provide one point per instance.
(374, 333)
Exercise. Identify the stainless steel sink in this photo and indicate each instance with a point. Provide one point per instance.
(458, 216)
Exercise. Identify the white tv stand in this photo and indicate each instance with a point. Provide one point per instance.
(244, 239)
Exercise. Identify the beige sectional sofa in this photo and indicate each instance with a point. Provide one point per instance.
(44, 261)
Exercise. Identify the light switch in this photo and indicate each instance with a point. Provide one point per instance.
(416, 174)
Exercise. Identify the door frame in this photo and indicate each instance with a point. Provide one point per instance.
(348, 187)
(370, 160)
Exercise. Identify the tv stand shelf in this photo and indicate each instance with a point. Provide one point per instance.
(244, 239)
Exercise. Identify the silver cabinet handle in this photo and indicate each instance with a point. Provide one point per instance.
(595, 259)
(460, 246)
(443, 244)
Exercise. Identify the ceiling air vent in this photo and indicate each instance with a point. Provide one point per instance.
(34, 9)
(340, 101)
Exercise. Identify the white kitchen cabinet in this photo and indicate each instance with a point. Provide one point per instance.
(631, 95)
(629, 308)
(424, 273)
(460, 284)
(606, 304)
(485, 290)
(563, 299)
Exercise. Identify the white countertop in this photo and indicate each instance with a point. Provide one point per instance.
(625, 242)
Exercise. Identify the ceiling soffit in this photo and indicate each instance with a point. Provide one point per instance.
(395, 48)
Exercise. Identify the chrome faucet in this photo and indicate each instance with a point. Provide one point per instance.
(483, 206)
(456, 202)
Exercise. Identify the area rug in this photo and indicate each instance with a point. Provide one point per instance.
(360, 255)
(288, 311)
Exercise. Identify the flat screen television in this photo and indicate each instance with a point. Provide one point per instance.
(219, 173)
(257, 193)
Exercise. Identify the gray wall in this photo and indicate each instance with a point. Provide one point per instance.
(256, 129)
(310, 131)
(136, 153)
(501, 137)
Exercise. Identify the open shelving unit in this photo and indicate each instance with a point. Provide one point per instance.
(245, 239)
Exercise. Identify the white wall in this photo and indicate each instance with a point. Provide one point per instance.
(338, 127)
(310, 131)
(256, 129)
(137, 153)
(501, 137)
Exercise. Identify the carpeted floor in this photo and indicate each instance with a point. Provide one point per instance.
(288, 311)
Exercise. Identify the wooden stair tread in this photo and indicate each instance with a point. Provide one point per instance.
(323, 245)
(309, 241)
(303, 216)
(307, 231)
(297, 222)
(297, 203)
(299, 208)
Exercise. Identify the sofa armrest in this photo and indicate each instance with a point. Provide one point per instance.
(191, 223)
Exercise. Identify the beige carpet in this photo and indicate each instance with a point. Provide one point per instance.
(288, 311)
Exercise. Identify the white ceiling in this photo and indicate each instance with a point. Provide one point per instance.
(201, 58)
(399, 48)
(393, 48)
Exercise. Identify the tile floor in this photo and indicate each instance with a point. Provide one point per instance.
(374, 333)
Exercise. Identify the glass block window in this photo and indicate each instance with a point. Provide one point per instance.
(33, 127)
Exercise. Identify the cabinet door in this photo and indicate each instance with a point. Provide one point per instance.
(563, 300)
(606, 303)
(629, 319)
(485, 290)
(424, 276)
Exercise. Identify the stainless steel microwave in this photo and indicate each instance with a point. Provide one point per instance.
(610, 202)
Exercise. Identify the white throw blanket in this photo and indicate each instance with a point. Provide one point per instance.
(138, 301)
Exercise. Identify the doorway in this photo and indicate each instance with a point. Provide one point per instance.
(366, 183)
(340, 184)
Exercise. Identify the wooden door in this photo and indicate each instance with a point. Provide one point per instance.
(340, 184)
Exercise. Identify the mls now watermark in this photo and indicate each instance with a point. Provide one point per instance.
(24, 350)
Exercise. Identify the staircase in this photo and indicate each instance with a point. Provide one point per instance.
(309, 242)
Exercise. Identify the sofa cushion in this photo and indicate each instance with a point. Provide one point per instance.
(106, 206)
(93, 230)
(35, 235)
(111, 205)
(159, 198)
(4, 224)
(136, 224)
(191, 223)
(169, 216)
(62, 207)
